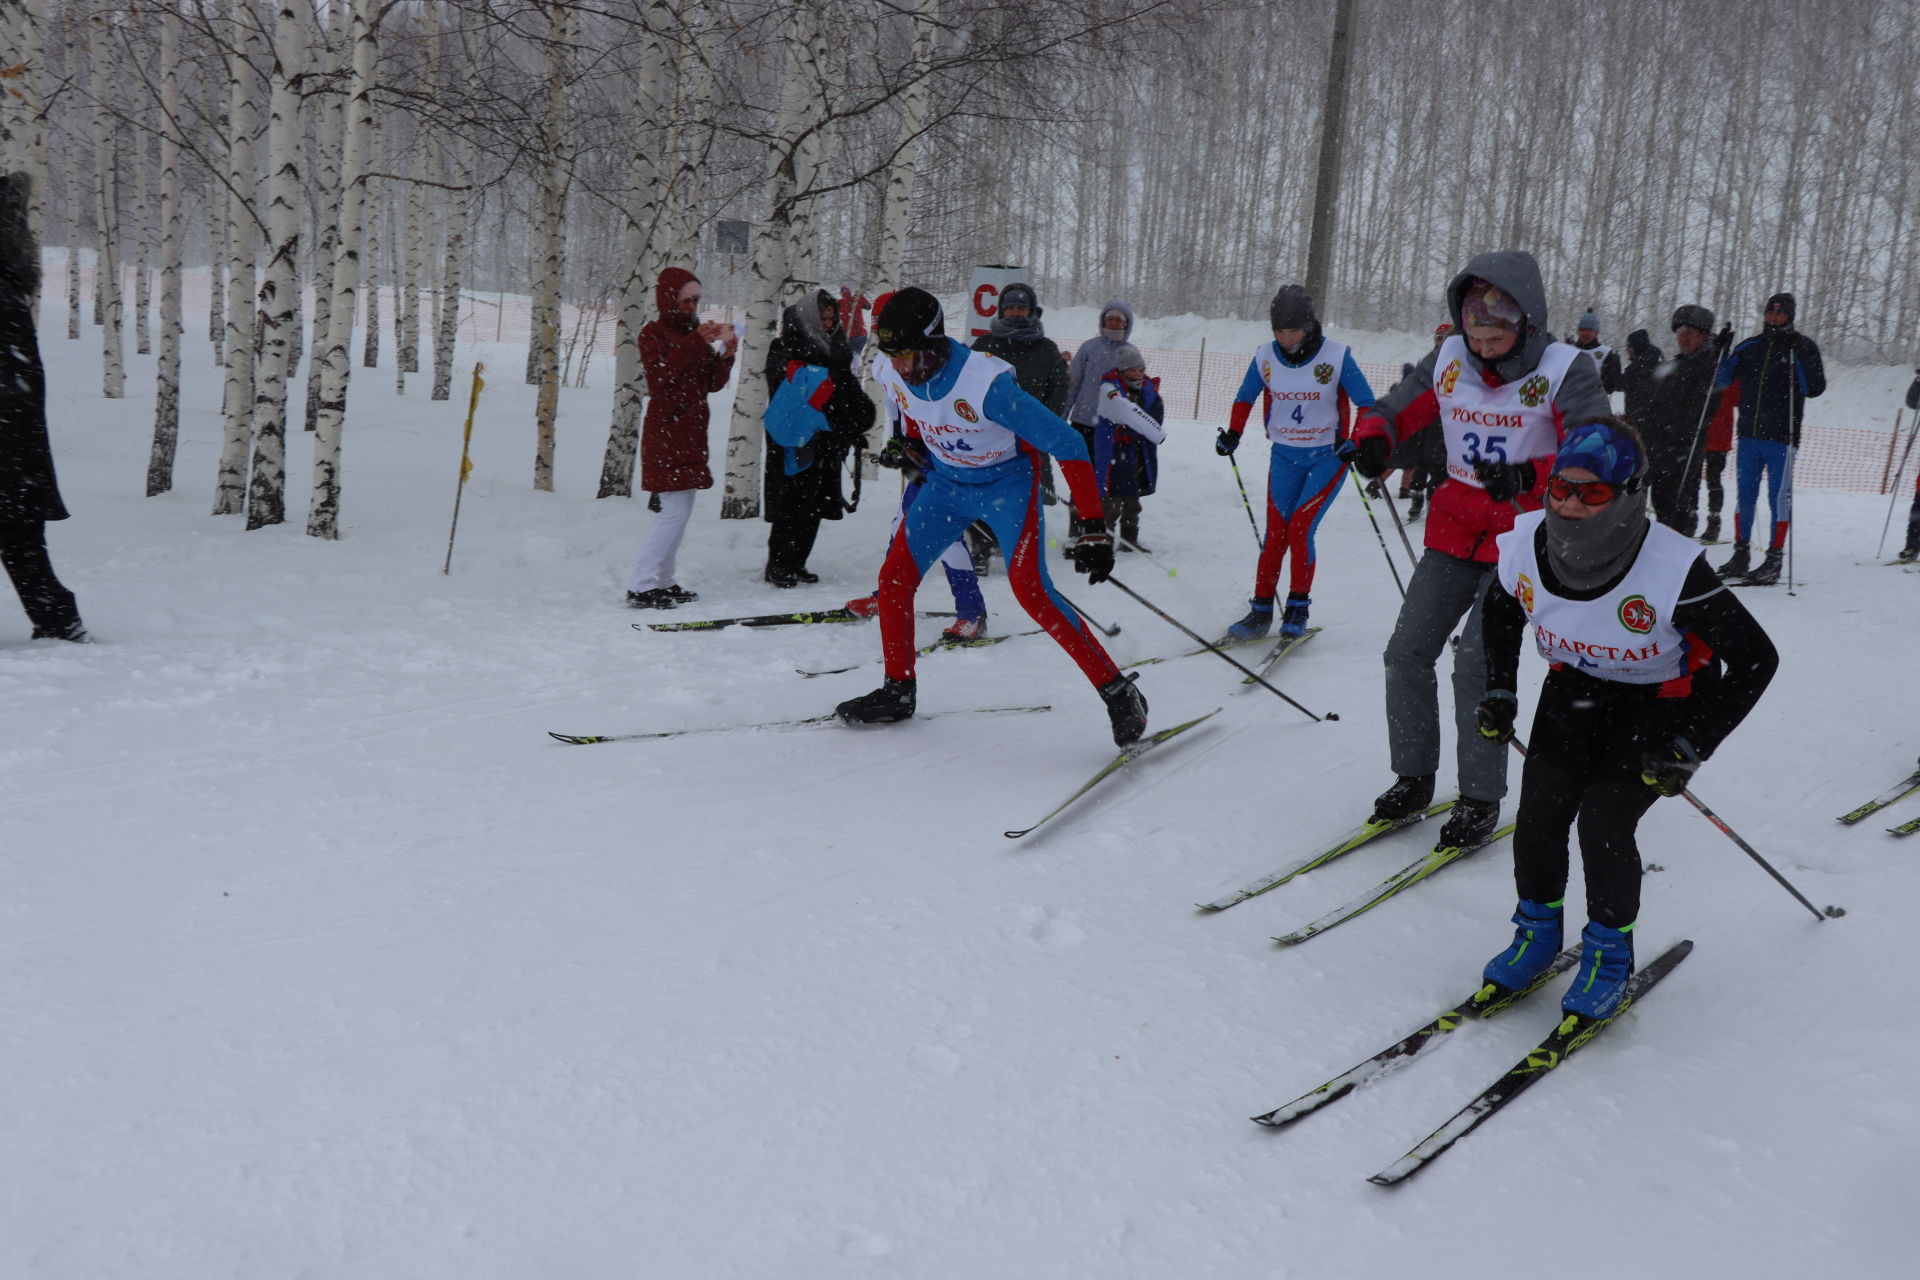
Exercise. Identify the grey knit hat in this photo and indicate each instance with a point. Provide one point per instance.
(1129, 357)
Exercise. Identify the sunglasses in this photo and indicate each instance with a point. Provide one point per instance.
(1592, 493)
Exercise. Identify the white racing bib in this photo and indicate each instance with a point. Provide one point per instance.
(955, 428)
(1509, 423)
(1627, 635)
(1599, 354)
(1304, 402)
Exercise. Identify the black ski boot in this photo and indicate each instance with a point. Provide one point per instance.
(1406, 797)
(1711, 533)
(1739, 564)
(680, 594)
(892, 701)
(1768, 573)
(1910, 552)
(658, 598)
(1414, 504)
(1126, 708)
(1470, 823)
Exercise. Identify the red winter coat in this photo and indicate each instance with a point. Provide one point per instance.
(682, 371)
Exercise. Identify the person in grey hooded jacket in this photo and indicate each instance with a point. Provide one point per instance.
(1093, 360)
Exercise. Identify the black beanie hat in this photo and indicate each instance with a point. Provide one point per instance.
(1292, 308)
(1693, 316)
(911, 321)
(1784, 301)
(1638, 342)
(1020, 295)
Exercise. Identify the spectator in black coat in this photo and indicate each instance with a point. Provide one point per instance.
(1021, 340)
(1638, 378)
(1673, 417)
(29, 494)
(797, 503)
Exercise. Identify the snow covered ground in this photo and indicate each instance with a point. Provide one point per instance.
(323, 960)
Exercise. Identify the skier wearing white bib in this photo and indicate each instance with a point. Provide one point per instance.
(1503, 393)
(1653, 663)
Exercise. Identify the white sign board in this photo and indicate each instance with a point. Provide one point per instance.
(983, 301)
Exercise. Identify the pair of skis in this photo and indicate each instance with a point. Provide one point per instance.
(982, 642)
(1900, 791)
(1570, 1035)
(1113, 766)
(582, 740)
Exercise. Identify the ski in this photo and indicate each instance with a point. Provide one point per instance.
(1114, 765)
(1365, 833)
(1286, 646)
(1906, 828)
(771, 620)
(1442, 855)
(1481, 1005)
(1225, 642)
(581, 740)
(925, 649)
(1900, 791)
(1573, 1033)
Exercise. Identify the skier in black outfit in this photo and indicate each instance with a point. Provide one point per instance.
(798, 502)
(1639, 378)
(29, 494)
(1672, 419)
(1653, 663)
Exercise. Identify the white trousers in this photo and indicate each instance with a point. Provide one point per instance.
(653, 567)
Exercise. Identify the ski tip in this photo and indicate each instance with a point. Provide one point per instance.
(1015, 835)
(1390, 1177)
(572, 739)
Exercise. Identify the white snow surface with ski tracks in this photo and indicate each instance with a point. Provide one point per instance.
(324, 960)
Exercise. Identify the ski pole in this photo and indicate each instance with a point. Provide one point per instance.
(1893, 498)
(1171, 573)
(1751, 852)
(1394, 568)
(1210, 647)
(1246, 502)
(466, 462)
(1109, 632)
(1793, 449)
(1393, 511)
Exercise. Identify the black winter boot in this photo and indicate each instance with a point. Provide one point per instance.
(1126, 708)
(1768, 573)
(1471, 823)
(1406, 797)
(658, 598)
(892, 701)
(1737, 566)
(1712, 532)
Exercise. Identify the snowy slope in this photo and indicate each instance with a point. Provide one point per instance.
(323, 960)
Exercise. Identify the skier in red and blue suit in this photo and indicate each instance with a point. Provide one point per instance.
(982, 433)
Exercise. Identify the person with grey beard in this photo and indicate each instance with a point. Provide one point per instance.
(1653, 663)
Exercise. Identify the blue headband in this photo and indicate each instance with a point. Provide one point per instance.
(1607, 452)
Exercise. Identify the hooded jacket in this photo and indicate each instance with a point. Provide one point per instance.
(1463, 521)
(811, 489)
(28, 491)
(1092, 361)
(682, 371)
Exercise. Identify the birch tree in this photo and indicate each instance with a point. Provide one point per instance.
(466, 165)
(553, 212)
(331, 124)
(279, 298)
(230, 488)
(113, 370)
(166, 414)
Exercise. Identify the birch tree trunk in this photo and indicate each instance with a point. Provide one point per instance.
(216, 212)
(771, 243)
(636, 293)
(913, 119)
(370, 220)
(74, 234)
(166, 414)
(143, 247)
(230, 489)
(323, 513)
(693, 135)
(113, 370)
(416, 233)
(553, 212)
(466, 164)
(327, 215)
(279, 299)
(30, 128)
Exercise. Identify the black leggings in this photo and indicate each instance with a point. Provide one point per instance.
(1583, 764)
(23, 551)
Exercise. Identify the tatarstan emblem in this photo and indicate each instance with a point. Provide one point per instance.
(1525, 593)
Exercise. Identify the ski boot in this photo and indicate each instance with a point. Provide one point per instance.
(1257, 622)
(1130, 538)
(893, 700)
(803, 575)
(1293, 621)
(865, 607)
(1405, 798)
(73, 631)
(1739, 564)
(1536, 941)
(1909, 553)
(1768, 573)
(785, 579)
(1600, 983)
(680, 594)
(1711, 533)
(1126, 708)
(964, 631)
(1470, 823)
(1414, 505)
(658, 598)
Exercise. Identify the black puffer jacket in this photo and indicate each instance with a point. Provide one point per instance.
(28, 490)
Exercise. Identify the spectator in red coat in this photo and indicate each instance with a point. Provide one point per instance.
(683, 369)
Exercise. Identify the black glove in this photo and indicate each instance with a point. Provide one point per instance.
(1723, 341)
(1092, 554)
(905, 457)
(1793, 339)
(1368, 455)
(1495, 714)
(1225, 443)
(1504, 481)
(1670, 768)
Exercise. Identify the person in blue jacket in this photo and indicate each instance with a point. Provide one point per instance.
(1308, 385)
(1770, 377)
(1126, 442)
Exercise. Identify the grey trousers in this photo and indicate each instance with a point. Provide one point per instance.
(1443, 588)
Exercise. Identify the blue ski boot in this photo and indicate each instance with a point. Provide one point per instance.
(1600, 983)
(1536, 942)
(1257, 622)
(1293, 621)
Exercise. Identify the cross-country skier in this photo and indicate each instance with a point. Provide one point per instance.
(1503, 393)
(1770, 376)
(1653, 663)
(1307, 384)
(1586, 338)
(980, 431)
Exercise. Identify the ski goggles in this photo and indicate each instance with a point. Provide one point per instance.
(1592, 493)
